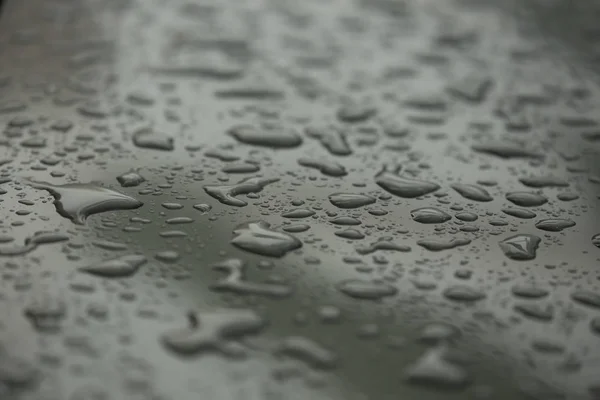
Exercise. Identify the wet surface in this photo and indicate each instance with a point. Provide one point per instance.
(274, 199)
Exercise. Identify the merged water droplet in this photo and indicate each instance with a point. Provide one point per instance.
(526, 199)
(130, 179)
(435, 369)
(535, 311)
(118, 267)
(256, 237)
(472, 192)
(278, 138)
(331, 139)
(217, 330)
(350, 200)
(362, 289)
(430, 215)
(587, 297)
(308, 351)
(506, 150)
(226, 193)
(519, 213)
(235, 281)
(521, 247)
(442, 244)
(77, 201)
(403, 186)
(554, 224)
(147, 138)
(463, 293)
(544, 181)
(326, 167)
(31, 243)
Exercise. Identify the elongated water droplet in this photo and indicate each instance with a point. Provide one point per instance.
(256, 237)
(77, 201)
(520, 247)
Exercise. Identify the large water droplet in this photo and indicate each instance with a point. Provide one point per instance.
(402, 186)
(235, 281)
(520, 247)
(350, 200)
(430, 215)
(326, 167)
(275, 138)
(214, 331)
(226, 193)
(118, 267)
(256, 237)
(554, 224)
(77, 201)
(526, 199)
(146, 138)
(472, 192)
(442, 244)
(361, 289)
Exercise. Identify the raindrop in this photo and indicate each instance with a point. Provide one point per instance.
(519, 213)
(77, 201)
(520, 247)
(118, 267)
(361, 289)
(147, 138)
(430, 215)
(256, 237)
(214, 331)
(226, 193)
(326, 167)
(403, 186)
(350, 200)
(274, 138)
(130, 179)
(526, 199)
(442, 244)
(463, 293)
(472, 192)
(587, 298)
(554, 224)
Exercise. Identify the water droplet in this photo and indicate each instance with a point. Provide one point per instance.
(241, 168)
(203, 208)
(118, 267)
(147, 138)
(31, 243)
(307, 350)
(434, 369)
(430, 215)
(214, 331)
(382, 244)
(544, 181)
(463, 293)
(405, 187)
(519, 213)
(529, 292)
(278, 138)
(554, 224)
(333, 140)
(442, 244)
(350, 200)
(520, 247)
(235, 281)
(296, 228)
(345, 221)
(355, 112)
(595, 325)
(256, 237)
(130, 179)
(326, 167)
(526, 199)
(472, 192)
(77, 201)
(226, 193)
(361, 289)
(506, 150)
(466, 216)
(596, 240)
(535, 311)
(587, 298)
(351, 234)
